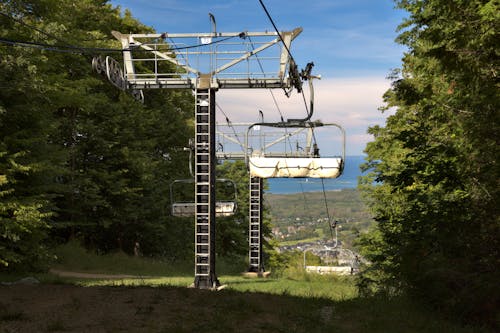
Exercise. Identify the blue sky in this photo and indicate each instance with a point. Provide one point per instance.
(351, 43)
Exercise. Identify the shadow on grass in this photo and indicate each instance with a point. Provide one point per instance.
(187, 310)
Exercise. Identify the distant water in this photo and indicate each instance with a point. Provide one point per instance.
(349, 179)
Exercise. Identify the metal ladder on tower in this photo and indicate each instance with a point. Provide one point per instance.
(255, 225)
(205, 276)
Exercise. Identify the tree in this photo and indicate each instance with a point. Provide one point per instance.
(434, 163)
(23, 222)
(123, 154)
(90, 161)
(232, 231)
(29, 162)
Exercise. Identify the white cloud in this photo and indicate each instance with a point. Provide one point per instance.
(352, 103)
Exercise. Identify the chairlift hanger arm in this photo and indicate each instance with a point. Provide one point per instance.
(306, 75)
(235, 188)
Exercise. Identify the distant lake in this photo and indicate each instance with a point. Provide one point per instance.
(349, 179)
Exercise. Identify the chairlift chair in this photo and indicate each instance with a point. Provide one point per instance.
(298, 159)
(184, 205)
(301, 160)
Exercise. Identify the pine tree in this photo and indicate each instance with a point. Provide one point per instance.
(93, 162)
(29, 162)
(435, 161)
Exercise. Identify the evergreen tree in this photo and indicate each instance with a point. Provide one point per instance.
(77, 153)
(232, 232)
(435, 163)
(29, 162)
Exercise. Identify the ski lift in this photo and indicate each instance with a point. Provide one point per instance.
(182, 197)
(291, 150)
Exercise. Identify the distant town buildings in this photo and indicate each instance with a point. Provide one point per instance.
(329, 253)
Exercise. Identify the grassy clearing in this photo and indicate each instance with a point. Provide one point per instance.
(315, 287)
(149, 272)
(294, 302)
(72, 257)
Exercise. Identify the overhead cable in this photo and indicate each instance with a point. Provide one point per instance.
(70, 48)
(263, 72)
(326, 206)
(40, 31)
(275, 28)
(40, 46)
(75, 49)
(292, 60)
(230, 125)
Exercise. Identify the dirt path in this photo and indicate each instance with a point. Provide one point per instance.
(95, 275)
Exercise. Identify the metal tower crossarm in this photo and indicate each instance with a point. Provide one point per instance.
(127, 43)
(229, 65)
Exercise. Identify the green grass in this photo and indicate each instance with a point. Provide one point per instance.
(330, 288)
(72, 257)
(294, 302)
(316, 286)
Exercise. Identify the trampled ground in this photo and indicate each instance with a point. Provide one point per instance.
(58, 307)
(69, 308)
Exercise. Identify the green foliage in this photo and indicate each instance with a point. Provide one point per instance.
(277, 262)
(76, 154)
(23, 216)
(435, 161)
(232, 231)
(28, 161)
(377, 277)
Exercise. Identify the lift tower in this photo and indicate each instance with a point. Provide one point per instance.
(204, 63)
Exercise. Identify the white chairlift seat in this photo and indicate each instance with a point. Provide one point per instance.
(187, 209)
(295, 167)
(186, 206)
(290, 150)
